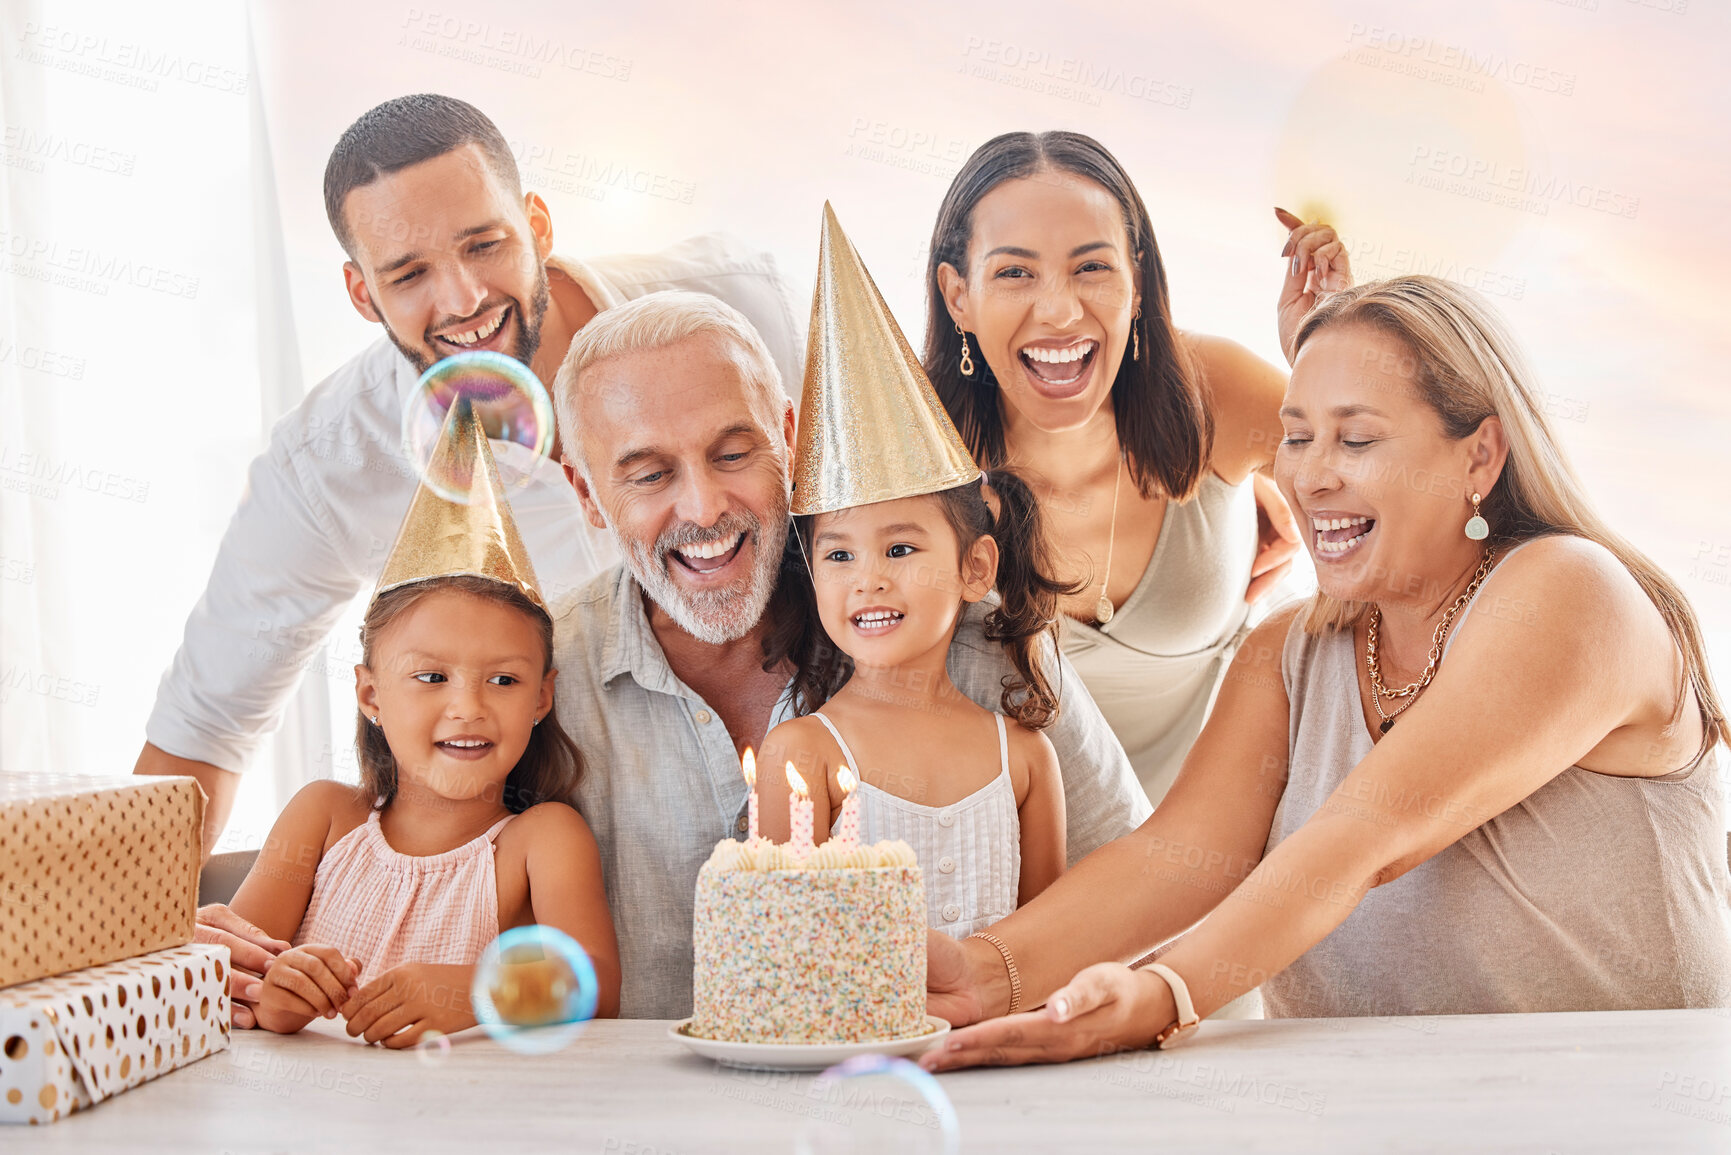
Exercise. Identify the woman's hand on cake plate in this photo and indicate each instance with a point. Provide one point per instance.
(1107, 1007)
(250, 953)
(955, 979)
(395, 1008)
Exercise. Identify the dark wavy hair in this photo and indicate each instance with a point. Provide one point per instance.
(551, 765)
(1025, 620)
(1159, 402)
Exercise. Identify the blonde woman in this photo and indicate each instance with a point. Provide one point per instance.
(1476, 773)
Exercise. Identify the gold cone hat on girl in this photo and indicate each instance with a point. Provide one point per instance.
(871, 428)
(476, 536)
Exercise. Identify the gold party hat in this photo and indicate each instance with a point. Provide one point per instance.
(441, 537)
(871, 428)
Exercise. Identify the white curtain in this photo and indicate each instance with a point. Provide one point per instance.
(148, 345)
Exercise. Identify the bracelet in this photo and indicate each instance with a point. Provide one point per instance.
(1009, 965)
(1188, 1020)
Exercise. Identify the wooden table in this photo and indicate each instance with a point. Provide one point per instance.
(1640, 1081)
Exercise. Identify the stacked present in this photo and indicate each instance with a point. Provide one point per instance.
(99, 889)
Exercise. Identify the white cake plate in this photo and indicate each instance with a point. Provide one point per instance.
(802, 1056)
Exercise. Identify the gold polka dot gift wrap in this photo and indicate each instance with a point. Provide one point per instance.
(76, 1039)
(94, 869)
(831, 949)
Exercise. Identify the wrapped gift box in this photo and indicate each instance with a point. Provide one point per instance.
(94, 869)
(78, 1038)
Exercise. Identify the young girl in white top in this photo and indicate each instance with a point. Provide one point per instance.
(977, 794)
(899, 542)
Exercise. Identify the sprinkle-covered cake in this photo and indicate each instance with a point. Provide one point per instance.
(830, 948)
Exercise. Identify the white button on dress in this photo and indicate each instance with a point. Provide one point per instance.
(970, 852)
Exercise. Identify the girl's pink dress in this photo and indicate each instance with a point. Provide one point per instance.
(386, 908)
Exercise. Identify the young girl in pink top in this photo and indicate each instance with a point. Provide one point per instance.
(458, 831)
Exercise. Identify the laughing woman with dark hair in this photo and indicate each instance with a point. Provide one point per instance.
(1050, 340)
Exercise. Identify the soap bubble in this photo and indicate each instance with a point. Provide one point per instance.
(510, 402)
(534, 989)
(433, 1048)
(874, 1103)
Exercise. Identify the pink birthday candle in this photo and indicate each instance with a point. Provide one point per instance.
(798, 813)
(848, 829)
(750, 767)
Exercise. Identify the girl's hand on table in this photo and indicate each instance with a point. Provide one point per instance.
(304, 983)
(1107, 1007)
(400, 1004)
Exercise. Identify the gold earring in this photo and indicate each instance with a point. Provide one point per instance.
(967, 357)
(1477, 527)
(1136, 336)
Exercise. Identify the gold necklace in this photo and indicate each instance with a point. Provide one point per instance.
(1103, 608)
(1411, 691)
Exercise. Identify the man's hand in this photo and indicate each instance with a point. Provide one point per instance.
(1317, 266)
(400, 1004)
(305, 983)
(1276, 538)
(250, 951)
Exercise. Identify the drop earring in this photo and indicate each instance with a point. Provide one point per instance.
(1477, 527)
(967, 357)
(1136, 335)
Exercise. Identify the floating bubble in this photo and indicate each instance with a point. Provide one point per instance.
(875, 1103)
(433, 1048)
(509, 401)
(534, 989)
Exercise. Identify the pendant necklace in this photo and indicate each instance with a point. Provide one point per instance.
(1103, 608)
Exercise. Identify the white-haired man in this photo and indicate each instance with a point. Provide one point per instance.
(678, 438)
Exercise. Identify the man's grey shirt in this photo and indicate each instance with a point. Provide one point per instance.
(663, 783)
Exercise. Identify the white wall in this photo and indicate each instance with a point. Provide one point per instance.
(646, 122)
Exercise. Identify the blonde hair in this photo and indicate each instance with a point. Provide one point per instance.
(1468, 368)
(655, 321)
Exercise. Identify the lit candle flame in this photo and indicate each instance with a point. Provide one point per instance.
(750, 766)
(795, 782)
(848, 782)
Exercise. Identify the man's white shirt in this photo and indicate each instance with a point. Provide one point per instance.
(324, 501)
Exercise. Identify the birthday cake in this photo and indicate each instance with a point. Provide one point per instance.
(825, 948)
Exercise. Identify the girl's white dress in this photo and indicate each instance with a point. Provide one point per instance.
(970, 852)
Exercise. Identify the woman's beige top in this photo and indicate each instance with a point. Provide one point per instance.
(1154, 668)
(1594, 893)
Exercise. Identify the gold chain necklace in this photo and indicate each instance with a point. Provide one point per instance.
(1103, 608)
(1378, 690)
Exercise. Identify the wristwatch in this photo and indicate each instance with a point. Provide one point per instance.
(1188, 1019)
